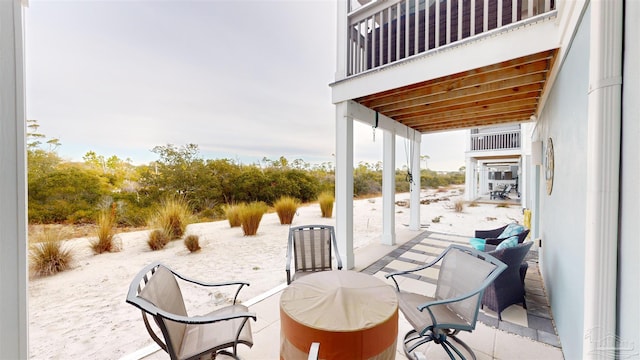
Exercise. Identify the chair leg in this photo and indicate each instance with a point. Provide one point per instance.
(413, 340)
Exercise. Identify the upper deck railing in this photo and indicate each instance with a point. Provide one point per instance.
(385, 31)
(500, 140)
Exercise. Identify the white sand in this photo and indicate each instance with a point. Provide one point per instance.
(81, 313)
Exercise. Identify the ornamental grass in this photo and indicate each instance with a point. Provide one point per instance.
(286, 208)
(250, 216)
(158, 239)
(192, 243)
(106, 231)
(326, 199)
(49, 255)
(173, 216)
(232, 213)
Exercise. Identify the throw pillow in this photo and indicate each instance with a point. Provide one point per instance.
(510, 230)
(507, 243)
(478, 244)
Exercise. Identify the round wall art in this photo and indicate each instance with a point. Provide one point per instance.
(548, 165)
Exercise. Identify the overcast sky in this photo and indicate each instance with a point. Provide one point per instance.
(241, 79)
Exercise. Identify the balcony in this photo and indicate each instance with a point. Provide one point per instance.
(501, 140)
(384, 32)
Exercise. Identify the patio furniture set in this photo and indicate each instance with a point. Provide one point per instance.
(334, 314)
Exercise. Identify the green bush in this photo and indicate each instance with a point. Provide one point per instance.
(251, 215)
(286, 208)
(326, 199)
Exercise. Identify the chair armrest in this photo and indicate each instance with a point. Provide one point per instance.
(240, 284)
(207, 319)
(403, 272)
(494, 233)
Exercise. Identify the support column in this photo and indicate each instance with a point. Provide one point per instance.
(603, 176)
(389, 188)
(344, 184)
(414, 220)
(470, 180)
(13, 193)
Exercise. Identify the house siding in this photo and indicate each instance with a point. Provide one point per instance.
(562, 214)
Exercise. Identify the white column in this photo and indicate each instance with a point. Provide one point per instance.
(414, 211)
(13, 193)
(389, 188)
(470, 179)
(603, 170)
(483, 178)
(344, 184)
(341, 41)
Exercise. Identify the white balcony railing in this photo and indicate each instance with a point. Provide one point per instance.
(385, 31)
(503, 140)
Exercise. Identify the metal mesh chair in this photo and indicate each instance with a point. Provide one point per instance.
(464, 274)
(309, 250)
(155, 291)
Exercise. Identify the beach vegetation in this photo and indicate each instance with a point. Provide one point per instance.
(458, 206)
(192, 242)
(232, 213)
(158, 239)
(326, 200)
(173, 216)
(473, 204)
(436, 219)
(106, 223)
(48, 253)
(251, 215)
(286, 208)
(503, 205)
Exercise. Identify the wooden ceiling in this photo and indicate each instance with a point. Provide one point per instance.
(506, 92)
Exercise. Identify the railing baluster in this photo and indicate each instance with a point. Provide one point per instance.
(472, 19)
(499, 14)
(460, 13)
(372, 32)
(407, 15)
(485, 16)
(389, 35)
(530, 8)
(416, 32)
(514, 10)
(547, 5)
(426, 25)
(448, 22)
(398, 17)
(437, 25)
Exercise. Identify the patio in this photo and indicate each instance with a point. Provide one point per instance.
(522, 334)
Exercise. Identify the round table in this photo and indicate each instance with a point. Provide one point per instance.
(352, 315)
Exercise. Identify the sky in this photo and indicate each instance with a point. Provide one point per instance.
(243, 80)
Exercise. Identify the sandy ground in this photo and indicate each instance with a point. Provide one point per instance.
(82, 313)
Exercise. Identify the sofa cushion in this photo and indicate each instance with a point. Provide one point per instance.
(511, 230)
(507, 243)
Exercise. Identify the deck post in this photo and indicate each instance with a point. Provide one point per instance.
(389, 188)
(344, 184)
(13, 193)
(414, 220)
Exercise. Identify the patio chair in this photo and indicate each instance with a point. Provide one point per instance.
(492, 238)
(508, 288)
(156, 292)
(501, 194)
(309, 248)
(462, 278)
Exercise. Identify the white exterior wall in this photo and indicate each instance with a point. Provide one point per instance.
(561, 216)
(13, 194)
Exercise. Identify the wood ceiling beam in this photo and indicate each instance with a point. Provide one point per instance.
(470, 124)
(474, 111)
(483, 118)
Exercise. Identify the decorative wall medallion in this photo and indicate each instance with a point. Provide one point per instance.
(548, 165)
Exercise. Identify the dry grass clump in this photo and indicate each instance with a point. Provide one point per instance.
(286, 208)
(232, 212)
(48, 255)
(192, 242)
(458, 206)
(326, 199)
(503, 205)
(473, 204)
(436, 219)
(158, 239)
(250, 216)
(172, 216)
(106, 232)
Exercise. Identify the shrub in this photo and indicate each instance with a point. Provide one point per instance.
(232, 213)
(106, 224)
(48, 255)
(286, 208)
(436, 219)
(158, 238)
(503, 205)
(458, 206)
(250, 216)
(192, 242)
(172, 216)
(326, 199)
(473, 204)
